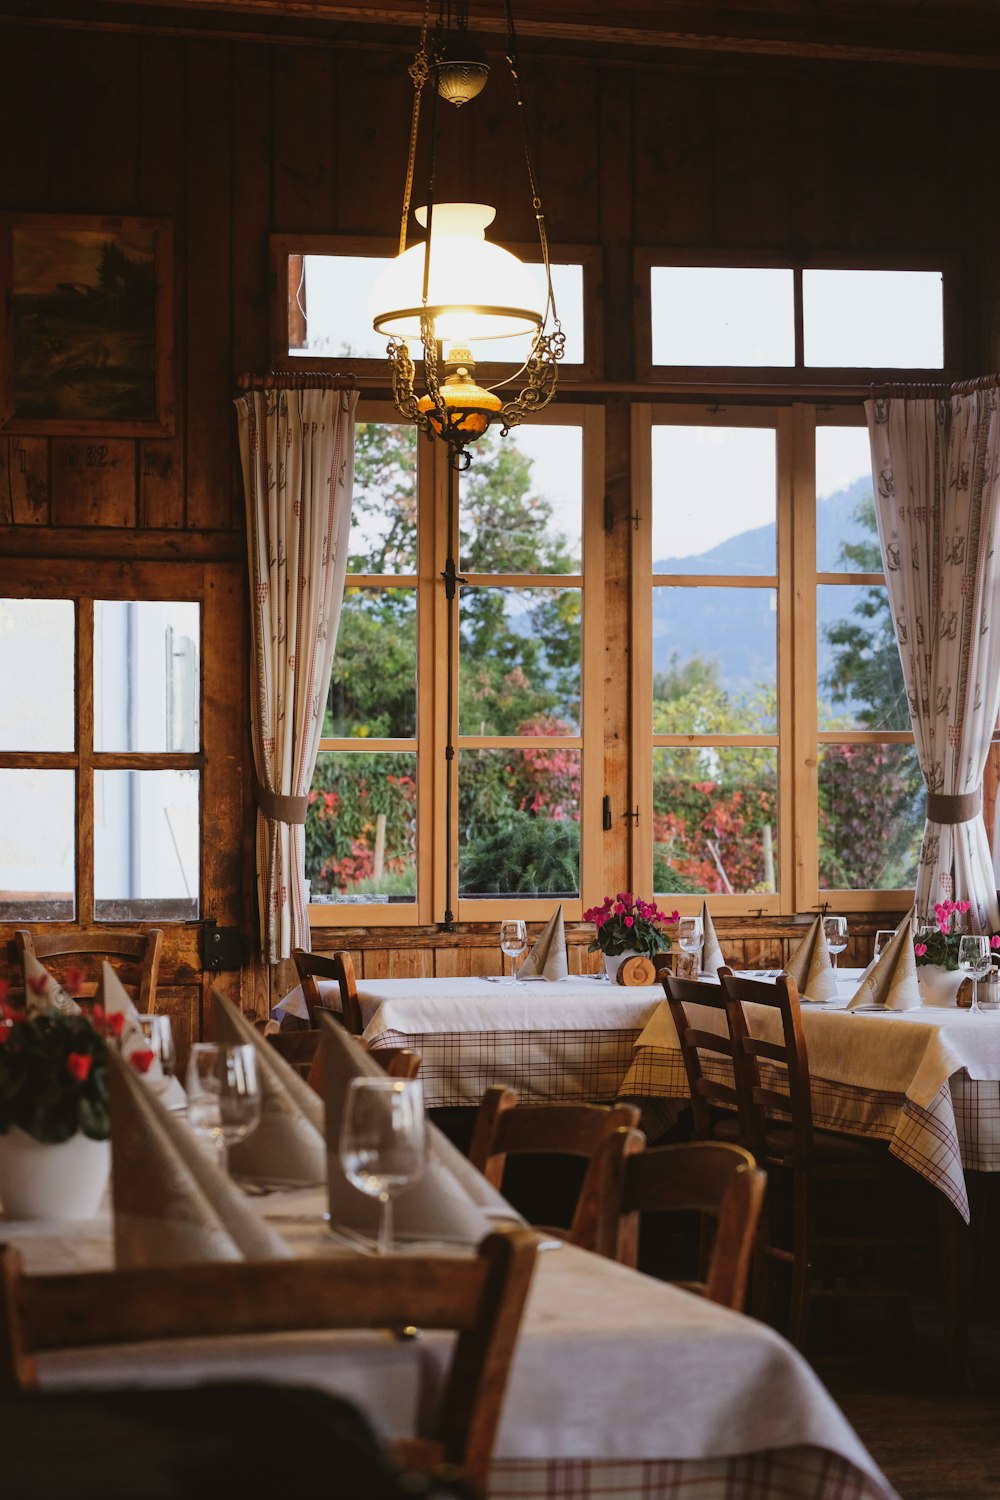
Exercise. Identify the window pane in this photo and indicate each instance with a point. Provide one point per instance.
(519, 822)
(146, 675)
(859, 677)
(714, 500)
(373, 688)
(361, 827)
(519, 661)
(37, 646)
(521, 503)
(334, 297)
(871, 817)
(846, 533)
(37, 854)
(722, 315)
(384, 511)
(146, 845)
(715, 821)
(880, 318)
(714, 660)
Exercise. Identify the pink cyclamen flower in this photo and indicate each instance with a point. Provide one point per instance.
(995, 940)
(78, 1066)
(629, 921)
(920, 949)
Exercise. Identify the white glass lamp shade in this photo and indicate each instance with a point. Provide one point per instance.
(476, 290)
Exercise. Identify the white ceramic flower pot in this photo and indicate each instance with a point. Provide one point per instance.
(937, 985)
(42, 1180)
(612, 963)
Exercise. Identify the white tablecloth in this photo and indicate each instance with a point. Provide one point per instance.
(611, 1365)
(571, 1039)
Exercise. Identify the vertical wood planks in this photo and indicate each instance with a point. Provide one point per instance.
(24, 481)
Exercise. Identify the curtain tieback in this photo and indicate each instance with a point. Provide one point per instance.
(960, 809)
(281, 809)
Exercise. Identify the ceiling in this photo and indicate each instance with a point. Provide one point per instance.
(952, 33)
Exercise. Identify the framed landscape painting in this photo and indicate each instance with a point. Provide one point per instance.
(88, 346)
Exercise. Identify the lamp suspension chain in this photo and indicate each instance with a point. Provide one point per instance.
(419, 71)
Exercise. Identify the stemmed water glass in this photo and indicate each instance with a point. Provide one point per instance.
(974, 960)
(383, 1142)
(691, 936)
(835, 930)
(513, 941)
(883, 938)
(158, 1037)
(224, 1100)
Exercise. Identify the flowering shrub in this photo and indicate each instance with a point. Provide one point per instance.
(941, 947)
(626, 922)
(53, 1074)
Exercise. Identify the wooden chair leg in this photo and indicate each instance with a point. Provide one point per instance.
(957, 1247)
(802, 1243)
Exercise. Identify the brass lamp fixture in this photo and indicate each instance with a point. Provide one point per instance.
(438, 298)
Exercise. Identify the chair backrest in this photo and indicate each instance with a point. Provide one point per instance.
(135, 957)
(506, 1128)
(712, 1178)
(783, 1088)
(700, 1046)
(482, 1298)
(338, 966)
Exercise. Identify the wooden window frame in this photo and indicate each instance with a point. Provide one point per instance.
(433, 883)
(797, 379)
(216, 589)
(374, 372)
(798, 734)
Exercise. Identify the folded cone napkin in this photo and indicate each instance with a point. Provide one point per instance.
(451, 1201)
(172, 1203)
(117, 1001)
(42, 990)
(810, 965)
(711, 953)
(287, 1148)
(547, 959)
(891, 981)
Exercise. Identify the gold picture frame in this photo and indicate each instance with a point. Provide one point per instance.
(88, 325)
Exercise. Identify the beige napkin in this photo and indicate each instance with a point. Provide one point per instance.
(810, 965)
(891, 980)
(172, 1203)
(287, 1149)
(42, 990)
(451, 1201)
(116, 1000)
(547, 959)
(711, 953)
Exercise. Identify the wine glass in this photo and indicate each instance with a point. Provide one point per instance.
(974, 960)
(383, 1142)
(513, 941)
(224, 1102)
(158, 1038)
(882, 940)
(691, 936)
(835, 929)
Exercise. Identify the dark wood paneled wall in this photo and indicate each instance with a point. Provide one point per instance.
(234, 139)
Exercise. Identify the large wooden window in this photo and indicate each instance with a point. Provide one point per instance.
(102, 769)
(773, 755)
(462, 739)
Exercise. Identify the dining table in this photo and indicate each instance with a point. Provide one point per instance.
(926, 1080)
(565, 1039)
(620, 1384)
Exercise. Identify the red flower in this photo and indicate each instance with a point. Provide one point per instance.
(74, 981)
(78, 1066)
(920, 949)
(38, 984)
(113, 1023)
(141, 1059)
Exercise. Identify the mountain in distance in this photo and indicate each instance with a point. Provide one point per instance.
(738, 627)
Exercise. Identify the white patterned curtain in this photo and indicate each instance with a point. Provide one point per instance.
(297, 452)
(936, 474)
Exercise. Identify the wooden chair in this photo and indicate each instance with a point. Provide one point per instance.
(506, 1128)
(135, 958)
(338, 966)
(481, 1297)
(716, 1179)
(777, 1127)
(301, 1049)
(715, 1105)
